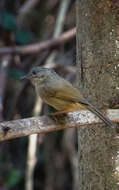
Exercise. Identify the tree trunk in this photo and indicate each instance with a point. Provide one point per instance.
(98, 76)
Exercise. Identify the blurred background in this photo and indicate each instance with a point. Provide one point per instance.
(36, 32)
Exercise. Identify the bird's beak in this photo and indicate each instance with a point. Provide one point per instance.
(26, 77)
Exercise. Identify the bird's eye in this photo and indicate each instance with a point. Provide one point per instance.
(34, 72)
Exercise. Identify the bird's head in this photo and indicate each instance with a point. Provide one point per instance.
(39, 75)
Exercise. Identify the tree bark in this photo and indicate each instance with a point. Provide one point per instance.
(98, 76)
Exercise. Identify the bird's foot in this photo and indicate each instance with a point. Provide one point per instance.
(58, 113)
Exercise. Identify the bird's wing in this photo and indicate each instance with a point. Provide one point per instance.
(69, 93)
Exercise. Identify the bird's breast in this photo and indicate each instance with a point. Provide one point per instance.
(45, 92)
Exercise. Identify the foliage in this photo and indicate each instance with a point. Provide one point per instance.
(14, 177)
(8, 21)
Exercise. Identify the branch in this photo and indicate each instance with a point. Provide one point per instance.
(45, 124)
(64, 4)
(63, 8)
(38, 47)
(27, 6)
(5, 62)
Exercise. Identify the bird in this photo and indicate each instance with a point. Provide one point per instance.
(60, 93)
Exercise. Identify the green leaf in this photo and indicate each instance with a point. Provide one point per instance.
(23, 36)
(14, 177)
(8, 20)
(15, 73)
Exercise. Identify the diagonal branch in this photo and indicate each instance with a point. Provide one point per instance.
(38, 47)
(45, 124)
(27, 6)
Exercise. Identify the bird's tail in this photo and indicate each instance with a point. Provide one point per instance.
(100, 115)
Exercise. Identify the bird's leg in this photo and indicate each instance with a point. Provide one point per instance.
(59, 116)
(59, 112)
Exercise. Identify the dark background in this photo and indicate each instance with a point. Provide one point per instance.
(54, 161)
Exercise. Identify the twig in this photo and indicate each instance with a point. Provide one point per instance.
(31, 161)
(38, 47)
(3, 78)
(45, 124)
(27, 6)
(24, 11)
(64, 4)
(32, 147)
